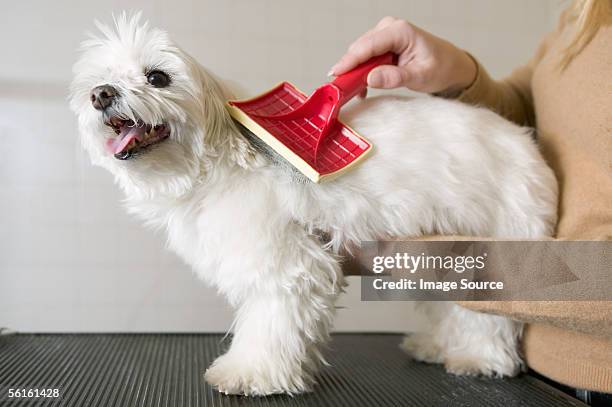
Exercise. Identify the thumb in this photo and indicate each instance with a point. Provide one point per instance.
(387, 77)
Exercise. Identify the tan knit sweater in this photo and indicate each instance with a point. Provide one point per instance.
(569, 342)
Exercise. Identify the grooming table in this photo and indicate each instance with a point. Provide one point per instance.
(167, 370)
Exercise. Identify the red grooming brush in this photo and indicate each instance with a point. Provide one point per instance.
(305, 131)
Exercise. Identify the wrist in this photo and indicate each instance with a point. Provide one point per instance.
(465, 71)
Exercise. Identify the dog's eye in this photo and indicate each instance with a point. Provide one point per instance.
(158, 79)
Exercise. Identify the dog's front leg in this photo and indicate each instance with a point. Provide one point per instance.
(283, 316)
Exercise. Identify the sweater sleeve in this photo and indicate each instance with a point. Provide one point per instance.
(590, 317)
(510, 97)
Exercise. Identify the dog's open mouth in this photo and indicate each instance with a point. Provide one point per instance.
(133, 137)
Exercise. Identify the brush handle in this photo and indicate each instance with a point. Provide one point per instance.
(354, 81)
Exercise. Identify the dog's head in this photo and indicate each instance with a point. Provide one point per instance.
(147, 111)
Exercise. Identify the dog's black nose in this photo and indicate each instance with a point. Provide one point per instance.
(102, 96)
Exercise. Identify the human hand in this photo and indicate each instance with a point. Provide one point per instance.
(426, 63)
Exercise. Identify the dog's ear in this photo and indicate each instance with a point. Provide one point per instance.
(222, 136)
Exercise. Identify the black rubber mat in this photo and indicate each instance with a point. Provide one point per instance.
(167, 370)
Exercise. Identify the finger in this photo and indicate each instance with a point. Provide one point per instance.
(347, 62)
(387, 77)
(384, 22)
(391, 38)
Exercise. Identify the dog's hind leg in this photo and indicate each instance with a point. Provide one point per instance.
(467, 342)
(281, 321)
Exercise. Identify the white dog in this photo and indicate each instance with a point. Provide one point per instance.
(152, 116)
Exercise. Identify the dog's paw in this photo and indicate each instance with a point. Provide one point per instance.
(421, 347)
(233, 375)
(479, 366)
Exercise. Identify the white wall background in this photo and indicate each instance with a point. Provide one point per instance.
(70, 258)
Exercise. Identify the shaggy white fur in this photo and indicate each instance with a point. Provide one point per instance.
(250, 230)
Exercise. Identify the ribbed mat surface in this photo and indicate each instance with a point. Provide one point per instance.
(166, 370)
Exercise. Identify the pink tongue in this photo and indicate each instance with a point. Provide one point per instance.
(118, 144)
